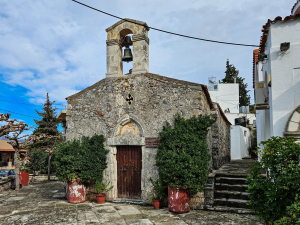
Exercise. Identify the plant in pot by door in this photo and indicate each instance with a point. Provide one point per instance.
(79, 163)
(183, 159)
(157, 193)
(101, 190)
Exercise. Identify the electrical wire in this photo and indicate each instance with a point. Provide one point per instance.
(168, 32)
(25, 103)
(18, 113)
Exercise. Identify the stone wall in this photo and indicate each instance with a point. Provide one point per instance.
(220, 138)
(128, 109)
(6, 183)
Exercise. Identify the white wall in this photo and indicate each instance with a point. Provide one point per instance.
(285, 90)
(227, 95)
(240, 142)
(284, 67)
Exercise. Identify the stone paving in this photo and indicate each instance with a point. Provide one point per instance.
(45, 203)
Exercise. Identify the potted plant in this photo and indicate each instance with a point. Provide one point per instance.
(183, 159)
(101, 190)
(24, 175)
(79, 163)
(157, 193)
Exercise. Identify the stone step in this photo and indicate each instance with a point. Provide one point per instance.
(129, 201)
(232, 174)
(236, 203)
(231, 187)
(230, 209)
(231, 180)
(231, 194)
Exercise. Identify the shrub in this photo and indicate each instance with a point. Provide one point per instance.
(83, 161)
(183, 157)
(292, 215)
(270, 195)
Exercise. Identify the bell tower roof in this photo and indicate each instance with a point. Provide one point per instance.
(144, 24)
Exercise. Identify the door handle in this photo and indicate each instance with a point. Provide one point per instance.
(124, 170)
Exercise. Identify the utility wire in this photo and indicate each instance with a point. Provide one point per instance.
(25, 103)
(18, 113)
(181, 35)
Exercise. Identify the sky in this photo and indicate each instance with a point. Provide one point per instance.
(58, 46)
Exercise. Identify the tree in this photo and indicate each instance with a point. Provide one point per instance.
(49, 123)
(231, 73)
(13, 131)
(47, 126)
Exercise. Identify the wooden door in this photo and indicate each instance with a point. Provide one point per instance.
(129, 160)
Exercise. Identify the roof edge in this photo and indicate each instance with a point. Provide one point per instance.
(141, 23)
(223, 114)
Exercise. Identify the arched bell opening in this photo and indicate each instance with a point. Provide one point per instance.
(127, 51)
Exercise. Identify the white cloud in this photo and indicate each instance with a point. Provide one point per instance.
(56, 46)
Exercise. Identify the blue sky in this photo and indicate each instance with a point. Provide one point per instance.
(58, 46)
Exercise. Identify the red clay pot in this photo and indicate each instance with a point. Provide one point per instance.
(179, 201)
(76, 192)
(24, 178)
(156, 203)
(100, 198)
(269, 223)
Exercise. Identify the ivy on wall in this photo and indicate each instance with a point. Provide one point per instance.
(183, 156)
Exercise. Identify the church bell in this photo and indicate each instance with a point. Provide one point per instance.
(127, 55)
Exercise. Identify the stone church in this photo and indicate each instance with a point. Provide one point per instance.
(130, 111)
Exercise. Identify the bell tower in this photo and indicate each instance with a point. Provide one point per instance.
(140, 50)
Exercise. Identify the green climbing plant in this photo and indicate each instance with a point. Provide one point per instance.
(183, 156)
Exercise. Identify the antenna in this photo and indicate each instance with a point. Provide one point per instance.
(211, 81)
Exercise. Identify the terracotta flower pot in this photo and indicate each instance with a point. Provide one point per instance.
(100, 198)
(269, 223)
(179, 201)
(156, 203)
(76, 192)
(24, 177)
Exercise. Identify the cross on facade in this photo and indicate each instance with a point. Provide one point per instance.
(129, 99)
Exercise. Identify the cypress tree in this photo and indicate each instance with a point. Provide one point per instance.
(231, 73)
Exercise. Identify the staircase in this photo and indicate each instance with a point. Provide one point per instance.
(230, 188)
(230, 194)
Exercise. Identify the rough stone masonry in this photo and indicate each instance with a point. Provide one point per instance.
(131, 110)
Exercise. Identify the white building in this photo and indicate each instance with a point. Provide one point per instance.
(276, 78)
(227, 95)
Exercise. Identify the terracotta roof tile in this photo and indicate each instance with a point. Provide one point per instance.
(265, 29)
(294, 6)
(255, 61)
(5, 147)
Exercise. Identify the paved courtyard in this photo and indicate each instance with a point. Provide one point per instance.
(45, 203)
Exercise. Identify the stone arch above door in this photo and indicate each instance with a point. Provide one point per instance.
(293, 125)
(128, 131)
